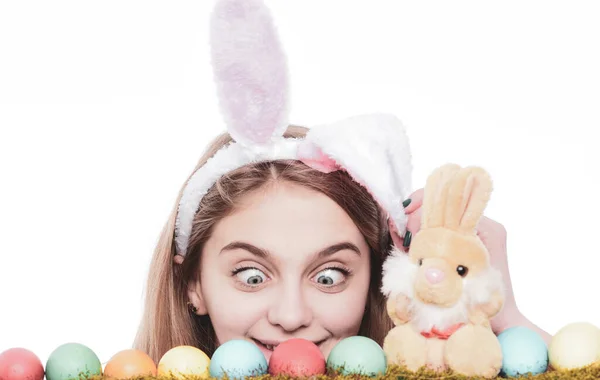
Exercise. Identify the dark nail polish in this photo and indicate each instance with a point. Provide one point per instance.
(406, 203)
(407, 238)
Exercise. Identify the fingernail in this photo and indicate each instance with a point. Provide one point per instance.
(406, 203)
(407, 238)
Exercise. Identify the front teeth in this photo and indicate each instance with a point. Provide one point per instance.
(270, 347)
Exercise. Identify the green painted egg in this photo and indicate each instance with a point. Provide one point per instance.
(72, 361)
(357, 355)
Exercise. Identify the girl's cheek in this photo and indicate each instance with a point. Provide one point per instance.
(343, 310)
(232, 317)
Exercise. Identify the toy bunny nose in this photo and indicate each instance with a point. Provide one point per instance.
(434, 276)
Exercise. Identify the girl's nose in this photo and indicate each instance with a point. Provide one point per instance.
(290, 310)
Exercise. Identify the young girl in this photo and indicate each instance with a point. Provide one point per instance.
(277, 250)
(281, 231)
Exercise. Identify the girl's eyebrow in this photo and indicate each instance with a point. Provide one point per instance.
(260, 252)
(263, 253)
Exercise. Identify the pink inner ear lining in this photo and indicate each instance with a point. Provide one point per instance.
(314, 157)
(320, 166)
(250, 71)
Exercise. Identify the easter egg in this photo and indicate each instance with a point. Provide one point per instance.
(574, 346)
(357, 355)
(238, 358)
(20, 364)
(184, 360)
(297, 358)
(72, 360)
(523, 351)
(130, 363)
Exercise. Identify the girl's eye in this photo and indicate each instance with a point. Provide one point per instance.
(251, 276)
(330, 277)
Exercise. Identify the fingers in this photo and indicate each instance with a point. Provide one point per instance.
(412, 208)
(491, 232)
(412, 227)
(414, 221)
(416, 200)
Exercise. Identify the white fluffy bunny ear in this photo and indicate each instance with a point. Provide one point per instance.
(374, 149)
(251, 72)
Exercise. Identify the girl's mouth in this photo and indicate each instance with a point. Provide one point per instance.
(271, 345)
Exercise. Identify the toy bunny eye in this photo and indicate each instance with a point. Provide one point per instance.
(420, 262)
(462, 271)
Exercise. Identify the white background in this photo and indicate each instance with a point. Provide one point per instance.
(105, 107)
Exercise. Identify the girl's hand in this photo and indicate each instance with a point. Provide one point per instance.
(493, 236)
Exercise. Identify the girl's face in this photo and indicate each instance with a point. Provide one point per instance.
(289, 263)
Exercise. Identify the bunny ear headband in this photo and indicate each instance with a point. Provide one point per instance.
(251, 77)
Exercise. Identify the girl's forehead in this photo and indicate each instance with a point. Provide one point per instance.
(288, 222)
(289, 207)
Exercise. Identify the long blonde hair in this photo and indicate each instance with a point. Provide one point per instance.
(167, 321)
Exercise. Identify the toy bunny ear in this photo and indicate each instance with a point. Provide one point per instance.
(435, 195)
(250, 71)
(468, 197)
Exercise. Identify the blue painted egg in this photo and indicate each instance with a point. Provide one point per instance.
(238, 359)
(523, 352)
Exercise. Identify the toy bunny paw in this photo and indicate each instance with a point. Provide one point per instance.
(398, 309)
(404, 346)
(482, 313)
(474, 351)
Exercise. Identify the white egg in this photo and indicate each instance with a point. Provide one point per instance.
(576, 345)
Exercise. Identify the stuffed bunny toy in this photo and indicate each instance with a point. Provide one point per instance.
(442, 294)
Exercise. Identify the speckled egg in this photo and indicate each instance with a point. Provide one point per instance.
(357, 355)
(184, 361)
(72, 361)
(523, 351)
(129, 363)
(238, 358)
(297, 358)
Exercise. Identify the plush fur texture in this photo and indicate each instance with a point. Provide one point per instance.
(374, 149)
(225, 160)
(252, 86)
(250, 71)
(442, 294)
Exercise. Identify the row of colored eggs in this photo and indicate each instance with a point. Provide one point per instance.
(234, 359)
(524, 352)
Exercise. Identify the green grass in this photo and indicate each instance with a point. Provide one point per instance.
(397, 373)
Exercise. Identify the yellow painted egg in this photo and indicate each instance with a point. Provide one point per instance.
(184, 361)
(575, 346)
